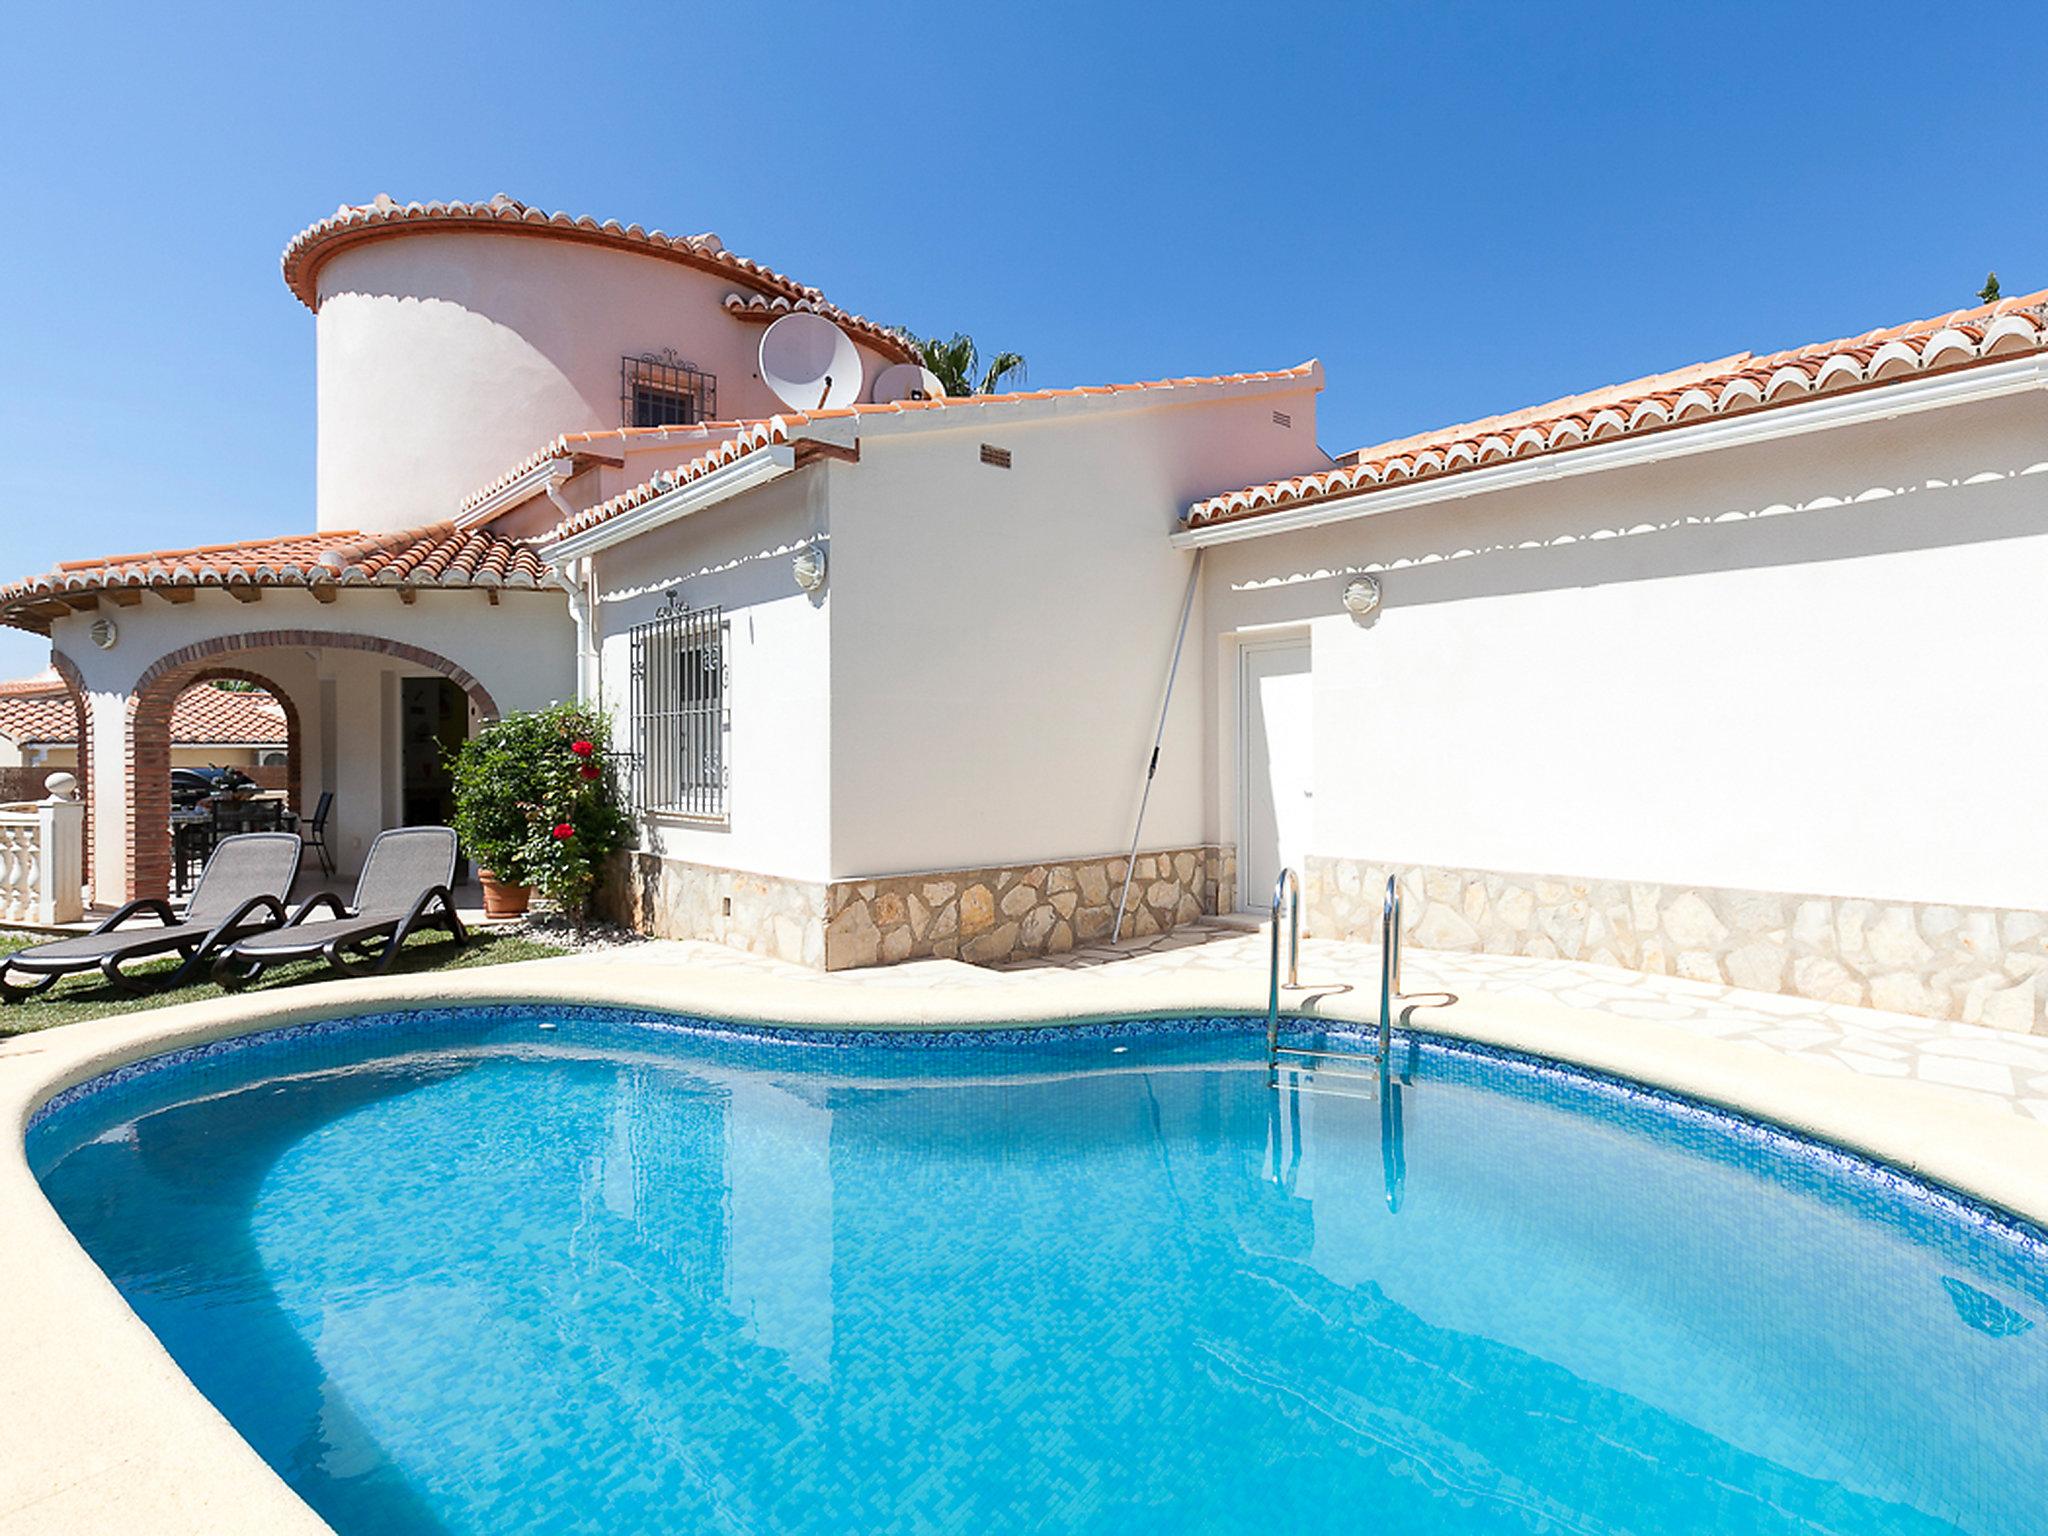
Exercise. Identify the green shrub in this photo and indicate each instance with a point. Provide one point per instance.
(537, 802)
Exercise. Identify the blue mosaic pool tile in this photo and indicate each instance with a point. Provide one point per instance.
(1705, 1128)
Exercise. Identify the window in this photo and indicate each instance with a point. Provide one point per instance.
(660, 389)
(679, 720)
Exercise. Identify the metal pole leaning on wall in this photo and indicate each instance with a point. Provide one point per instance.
(1187, 606)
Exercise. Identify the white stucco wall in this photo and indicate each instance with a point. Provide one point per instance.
(1807, 666)
(778, 652)
(1000, 637)
(522, 650)
(446, 357)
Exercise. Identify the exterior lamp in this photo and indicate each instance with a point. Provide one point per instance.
(1362, 597)
(808, 566)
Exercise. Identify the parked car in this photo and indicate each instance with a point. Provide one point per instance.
(189, 786)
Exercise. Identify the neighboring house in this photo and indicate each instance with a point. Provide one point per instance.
(1723, 672)
(210, 727)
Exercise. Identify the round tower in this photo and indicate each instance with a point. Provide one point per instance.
(456, 338)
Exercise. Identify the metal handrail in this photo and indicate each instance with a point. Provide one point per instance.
(1286, 889)
(1390, 965)
(1287, 892)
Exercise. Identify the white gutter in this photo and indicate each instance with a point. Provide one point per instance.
(583, 609)
(1965, 387)
(722, 484)
(546, 477)
(588, 680)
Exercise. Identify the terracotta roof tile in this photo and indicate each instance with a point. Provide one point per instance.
(585, 445)
(38, 709)
(1661, 402)
(44, 682)
(38, 718)
(355, 223)
(438, 556)
(624, 439)
(739, 439)
(755, 437)
(209, 716)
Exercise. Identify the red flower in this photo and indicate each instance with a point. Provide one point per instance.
(581, 748)
(590, 771)
(563, 830)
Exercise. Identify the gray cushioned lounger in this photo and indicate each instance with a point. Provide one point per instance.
(405, 886)
(243, 889)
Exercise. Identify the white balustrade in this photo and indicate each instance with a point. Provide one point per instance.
(42, 856)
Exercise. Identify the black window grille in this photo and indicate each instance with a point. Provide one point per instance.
(679, 710)
(660, 389)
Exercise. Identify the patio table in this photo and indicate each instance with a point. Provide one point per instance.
(196, 829)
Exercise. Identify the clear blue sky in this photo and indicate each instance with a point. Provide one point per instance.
(1459, 208)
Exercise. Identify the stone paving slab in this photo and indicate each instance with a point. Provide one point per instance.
(1987, 1067)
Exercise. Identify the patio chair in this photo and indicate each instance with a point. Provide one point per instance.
(405, 886)
(315, 831)
(242, 890)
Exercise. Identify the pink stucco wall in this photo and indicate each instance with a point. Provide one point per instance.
(444, 358)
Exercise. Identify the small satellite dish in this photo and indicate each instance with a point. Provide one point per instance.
(907, 381)
(810, 363)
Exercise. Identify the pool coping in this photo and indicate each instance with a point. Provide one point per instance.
(107, 1434)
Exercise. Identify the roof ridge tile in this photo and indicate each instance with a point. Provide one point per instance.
(1657, 402)
(354, 223)
(436, 555)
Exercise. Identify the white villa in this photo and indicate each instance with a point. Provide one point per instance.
(1726, 672)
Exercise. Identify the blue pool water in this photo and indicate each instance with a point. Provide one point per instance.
(505, 1270)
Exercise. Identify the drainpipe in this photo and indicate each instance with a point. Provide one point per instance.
(580, 582)
(1187, 606)
(574, 581)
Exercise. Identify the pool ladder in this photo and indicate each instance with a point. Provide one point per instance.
(1287, 895)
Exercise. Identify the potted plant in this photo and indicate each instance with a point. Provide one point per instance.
(537, 806)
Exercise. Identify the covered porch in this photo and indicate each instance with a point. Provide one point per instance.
(384, 654)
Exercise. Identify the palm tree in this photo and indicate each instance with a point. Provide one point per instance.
(955, 362)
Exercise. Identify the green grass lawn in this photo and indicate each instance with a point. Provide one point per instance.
(87, 996)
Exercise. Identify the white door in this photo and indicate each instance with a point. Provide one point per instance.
(1276, 762)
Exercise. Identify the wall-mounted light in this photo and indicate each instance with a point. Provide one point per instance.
(1362, 597)
(808, 567)
(105, 633)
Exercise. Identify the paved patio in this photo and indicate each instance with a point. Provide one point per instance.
(1986, 1067)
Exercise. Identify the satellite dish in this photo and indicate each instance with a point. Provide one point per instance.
(810, 363)
(907, 381)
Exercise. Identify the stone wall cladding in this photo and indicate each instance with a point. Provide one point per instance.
(1979, 965)
(977, 915)
(671, 899)
(986, 915)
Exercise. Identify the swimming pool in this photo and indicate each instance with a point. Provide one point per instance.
(554, 1269)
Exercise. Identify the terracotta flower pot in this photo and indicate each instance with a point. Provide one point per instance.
(502, 899)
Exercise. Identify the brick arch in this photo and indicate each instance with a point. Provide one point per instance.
(74, 685)
(157, 691)
(327, 639)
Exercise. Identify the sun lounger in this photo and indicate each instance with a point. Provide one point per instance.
(243, 889)
(404, 887)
